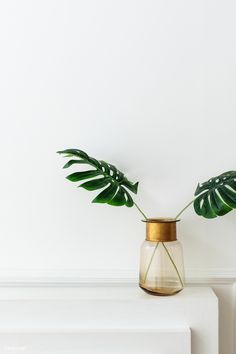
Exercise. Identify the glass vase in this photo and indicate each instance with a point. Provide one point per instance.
(161, 260)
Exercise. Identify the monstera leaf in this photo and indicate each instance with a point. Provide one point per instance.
(102, 175)
(217, 196)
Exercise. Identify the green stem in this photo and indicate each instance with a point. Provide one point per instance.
(149, 265)
(145, 217)
(178, 215)
(171, 259)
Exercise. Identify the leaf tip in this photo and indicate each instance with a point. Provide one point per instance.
(136, 187)
(70, 178)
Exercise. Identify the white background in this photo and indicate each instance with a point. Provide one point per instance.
(146, 85)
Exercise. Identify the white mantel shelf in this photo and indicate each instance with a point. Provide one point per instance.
(107, 319)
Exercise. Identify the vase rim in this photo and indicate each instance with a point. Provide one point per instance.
(161, 220)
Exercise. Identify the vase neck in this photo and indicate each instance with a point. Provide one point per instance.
(161, 230)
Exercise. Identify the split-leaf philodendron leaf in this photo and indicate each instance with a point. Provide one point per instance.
(217, 196)
(102, 175)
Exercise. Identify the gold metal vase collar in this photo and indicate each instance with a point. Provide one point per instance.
(161, 229)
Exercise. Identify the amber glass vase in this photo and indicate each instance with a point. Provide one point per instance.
(161, 261)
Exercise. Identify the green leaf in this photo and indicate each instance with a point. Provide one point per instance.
(129, 201)
(116, 193)
(119, 198)
(79, 176)
(122, 197)
(75, 152)
(95, 184)
(106, 195)
(132, 187)
(217, 196)
(94, 162)
(218, 204)
(228, 195)
(113, 171)
(72, 162)
(203, 205)
(105, 167)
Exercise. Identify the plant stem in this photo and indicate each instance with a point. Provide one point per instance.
(149, 265)
(141, 211)
(178, 215)
(171, 259)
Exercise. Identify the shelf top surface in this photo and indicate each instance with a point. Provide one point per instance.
(68, 309)
(100, 292)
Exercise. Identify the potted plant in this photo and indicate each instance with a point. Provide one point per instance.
(161, 261)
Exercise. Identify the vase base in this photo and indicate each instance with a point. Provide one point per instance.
(160, 291)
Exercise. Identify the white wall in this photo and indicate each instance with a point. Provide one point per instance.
(147, 85)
